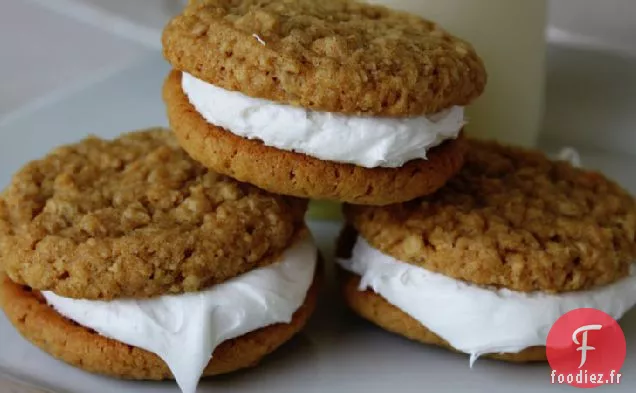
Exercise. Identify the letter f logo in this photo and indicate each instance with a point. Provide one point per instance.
(583, 344)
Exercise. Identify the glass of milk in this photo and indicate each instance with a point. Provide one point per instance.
(509, 35)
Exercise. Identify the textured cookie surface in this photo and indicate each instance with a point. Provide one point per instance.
(512, 218)
(329, 55)
(136, 217)
(83, 348)
(376, 309)
(290, 173)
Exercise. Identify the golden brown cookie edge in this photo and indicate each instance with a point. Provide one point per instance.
(299, 175)
(83, 348)
(374, 308)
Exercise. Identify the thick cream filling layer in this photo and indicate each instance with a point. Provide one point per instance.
(473, 319)
(185, 329)
(365, 141)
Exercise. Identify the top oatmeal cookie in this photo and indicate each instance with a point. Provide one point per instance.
(512, 218)
(136, 217)
(328, 55)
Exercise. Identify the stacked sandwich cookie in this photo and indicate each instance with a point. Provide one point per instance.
(130, 259)
(331, 99)
(486, 265)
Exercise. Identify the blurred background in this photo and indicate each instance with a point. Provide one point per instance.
(51, 48)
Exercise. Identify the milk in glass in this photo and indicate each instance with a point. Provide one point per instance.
(510, 36)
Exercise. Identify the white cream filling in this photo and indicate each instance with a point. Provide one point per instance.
(361, 140)
(473, 319)
(184, 330)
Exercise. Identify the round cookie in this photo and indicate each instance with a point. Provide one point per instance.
(332, 55)
(136, 217)
(376, 309)
(512, 218)
(296, 174)
(83, 348)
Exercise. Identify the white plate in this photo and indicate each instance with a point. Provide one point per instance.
(337, 351)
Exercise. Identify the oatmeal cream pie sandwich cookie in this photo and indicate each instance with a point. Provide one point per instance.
(130, 259)
(330, 99)
(486, 265)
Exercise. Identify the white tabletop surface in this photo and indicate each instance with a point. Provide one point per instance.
(46, 53)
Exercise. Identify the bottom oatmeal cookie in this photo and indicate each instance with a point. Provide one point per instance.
(486, 265)
(126, 257)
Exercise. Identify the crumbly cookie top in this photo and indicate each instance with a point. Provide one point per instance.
(136, 217)
(512, 218)
(328, 55)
